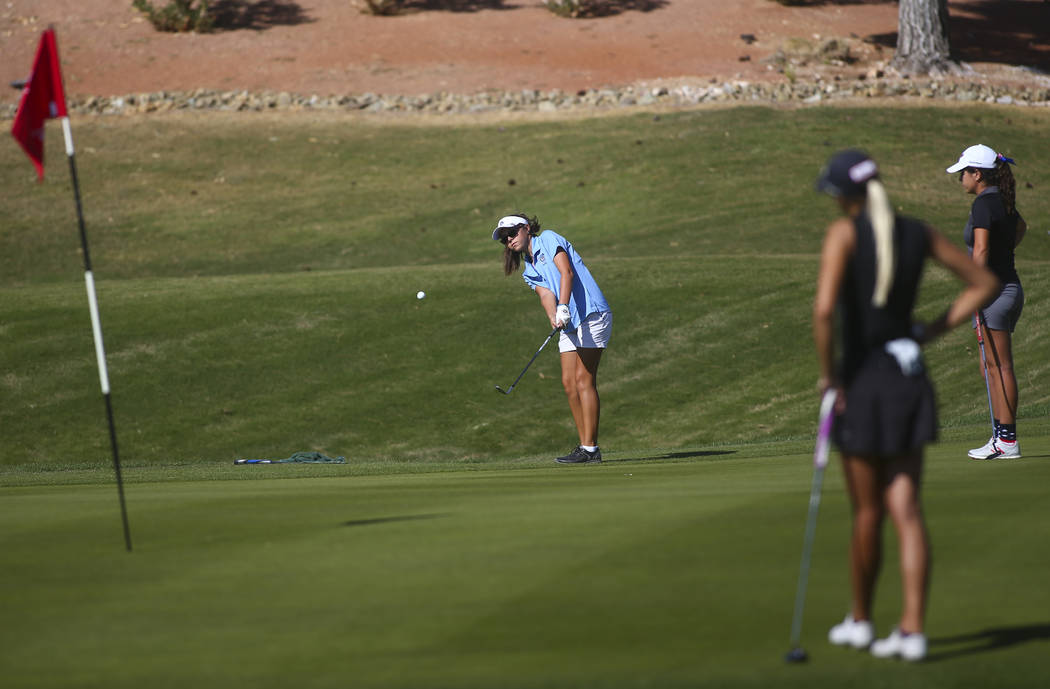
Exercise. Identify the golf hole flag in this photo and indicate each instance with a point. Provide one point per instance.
(42, 99)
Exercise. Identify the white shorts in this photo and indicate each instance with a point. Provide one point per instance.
(593, 333)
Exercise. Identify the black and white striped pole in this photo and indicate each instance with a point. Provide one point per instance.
(96, 328)
(43, 98)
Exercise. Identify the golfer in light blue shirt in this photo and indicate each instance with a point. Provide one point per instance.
(573, 302)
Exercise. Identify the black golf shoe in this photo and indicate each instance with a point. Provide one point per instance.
(581, 456)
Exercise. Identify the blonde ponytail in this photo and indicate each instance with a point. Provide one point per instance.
(881, 214)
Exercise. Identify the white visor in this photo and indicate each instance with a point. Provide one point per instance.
(508, 221)
(975, 156)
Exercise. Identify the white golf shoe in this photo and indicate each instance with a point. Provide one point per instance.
(897, 645)
(983, 451)
(850, 632)
(1008, 449)
(1001, 449)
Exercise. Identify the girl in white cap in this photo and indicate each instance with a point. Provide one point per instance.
(870, 268)
(574, 303)
(993, 231)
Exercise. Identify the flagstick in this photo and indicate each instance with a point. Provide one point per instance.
(96, 328)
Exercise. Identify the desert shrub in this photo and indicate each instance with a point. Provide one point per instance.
(567, 8)
(177, 15)
(382, 7)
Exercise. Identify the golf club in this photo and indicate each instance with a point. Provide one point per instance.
(508, 390)
(820, 460)
(984, 369)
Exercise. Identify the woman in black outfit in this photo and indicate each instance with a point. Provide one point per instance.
(993, 231)
(871, 265)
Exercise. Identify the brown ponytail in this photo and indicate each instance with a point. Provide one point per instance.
(1007, 186)
(1003, 177)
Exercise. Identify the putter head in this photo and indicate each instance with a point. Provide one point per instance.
(796, 655)
(19, 84)
(505, 392)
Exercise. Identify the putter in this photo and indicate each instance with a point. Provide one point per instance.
(984, 369)
(508, 390)
(820, 460)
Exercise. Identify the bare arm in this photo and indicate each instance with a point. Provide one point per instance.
(561, 262)
(838, 246)
(548, 301)
(981, 237)
(981, 284)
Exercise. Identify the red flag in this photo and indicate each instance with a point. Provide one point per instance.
(42, 98)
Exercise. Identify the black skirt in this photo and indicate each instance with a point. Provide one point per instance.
(887, 413)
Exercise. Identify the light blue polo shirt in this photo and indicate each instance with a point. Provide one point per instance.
(586, 297)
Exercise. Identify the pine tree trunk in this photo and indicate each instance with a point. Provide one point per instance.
(923, 46)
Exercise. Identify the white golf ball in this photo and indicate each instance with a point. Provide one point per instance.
(420, 294)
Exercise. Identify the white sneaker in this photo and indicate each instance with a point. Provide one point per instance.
(983, 451)
(850, 632)
(905, 646)
(1008, 449)
(1002, 449)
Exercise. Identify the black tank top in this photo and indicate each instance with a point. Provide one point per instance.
(865, 327)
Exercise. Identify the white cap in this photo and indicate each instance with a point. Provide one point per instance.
(975, 156)
(508, 221)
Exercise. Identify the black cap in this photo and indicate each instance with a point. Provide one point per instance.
(846, 173)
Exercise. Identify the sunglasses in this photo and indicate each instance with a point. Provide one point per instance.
(507, 234)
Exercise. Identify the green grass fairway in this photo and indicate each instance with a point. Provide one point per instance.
(661, 573)
(212, 369)
(257, 279)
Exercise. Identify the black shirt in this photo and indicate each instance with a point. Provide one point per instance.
(988, 212)
(865, 327)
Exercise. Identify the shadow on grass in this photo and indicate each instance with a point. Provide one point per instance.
(987, 640)
(388, 520)
(672, 455)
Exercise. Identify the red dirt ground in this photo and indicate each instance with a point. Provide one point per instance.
(329, 47)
